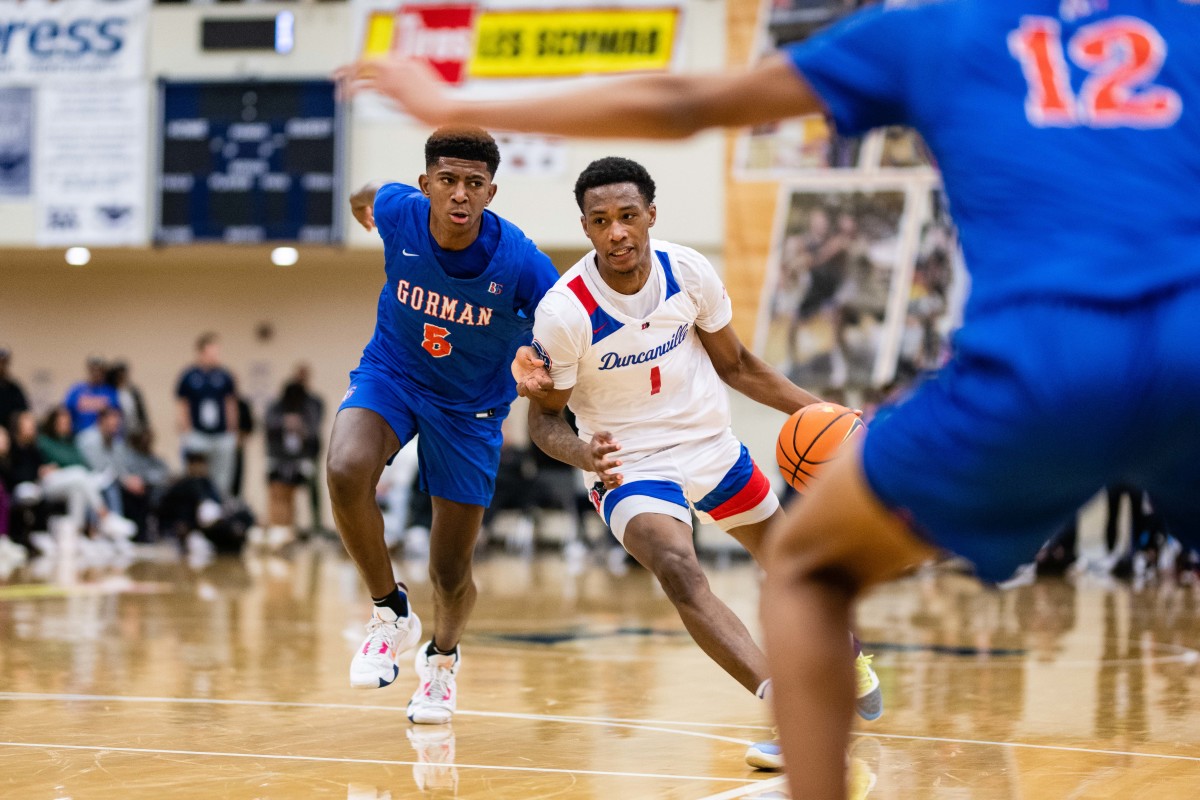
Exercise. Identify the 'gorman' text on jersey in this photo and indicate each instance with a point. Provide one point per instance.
(648, 381)
(448, 340)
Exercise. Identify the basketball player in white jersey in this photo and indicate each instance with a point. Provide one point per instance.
(637, 339)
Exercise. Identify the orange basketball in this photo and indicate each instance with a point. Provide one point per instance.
(810, 439)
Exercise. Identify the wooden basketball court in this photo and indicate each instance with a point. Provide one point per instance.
(231, 681)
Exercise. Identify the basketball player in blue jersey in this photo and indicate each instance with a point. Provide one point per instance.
(1066, 132)
(462, 286)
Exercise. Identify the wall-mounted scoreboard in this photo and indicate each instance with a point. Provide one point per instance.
(249, 161)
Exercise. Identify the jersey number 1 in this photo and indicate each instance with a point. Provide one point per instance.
(435, 341)
(1122, 55)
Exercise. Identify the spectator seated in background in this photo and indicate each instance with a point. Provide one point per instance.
(10, 552)
(129, 399)
(105, 451)
(12, 396)
(302, 377)
(86, 399)
(145, 463)
(192, 511)
(293, 442)
(37, 479)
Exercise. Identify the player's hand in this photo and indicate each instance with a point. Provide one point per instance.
(600, 453)
(530, 373)
(413, 85)
(365, 214)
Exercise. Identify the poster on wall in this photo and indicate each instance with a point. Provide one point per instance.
(494, 49)
(829, 308)
(90, 176)
(784, 149)
(84, 38)
(16, 142)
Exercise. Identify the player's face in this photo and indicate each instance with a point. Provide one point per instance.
(458, 190)
(617, 220)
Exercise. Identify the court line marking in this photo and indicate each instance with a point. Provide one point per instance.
(374, 761)
(742, 791)
(635, 724)
(1061, 748)
(569, 719)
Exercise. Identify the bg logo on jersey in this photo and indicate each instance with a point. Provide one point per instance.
(439, 35)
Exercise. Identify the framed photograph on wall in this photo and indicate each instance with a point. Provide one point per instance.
(836, 289)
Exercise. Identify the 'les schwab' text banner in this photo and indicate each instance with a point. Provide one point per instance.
(463, 41)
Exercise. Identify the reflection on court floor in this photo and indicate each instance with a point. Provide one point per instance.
(229, 680)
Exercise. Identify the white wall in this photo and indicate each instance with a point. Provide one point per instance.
(689, 174)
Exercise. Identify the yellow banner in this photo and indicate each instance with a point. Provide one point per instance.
(542, 44)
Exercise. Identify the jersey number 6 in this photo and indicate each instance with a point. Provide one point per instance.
(1122, 55)
(435, 341)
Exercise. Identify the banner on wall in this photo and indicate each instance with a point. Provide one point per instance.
(91, 173)
(470, 41)
(93, 38)
(16, 141)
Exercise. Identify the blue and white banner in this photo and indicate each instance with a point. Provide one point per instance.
(16, 141)
(96, 38)
(91, 163)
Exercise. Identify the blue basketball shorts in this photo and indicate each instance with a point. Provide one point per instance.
(458, 453)
(1044, 403)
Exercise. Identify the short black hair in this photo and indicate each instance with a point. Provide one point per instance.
(205, 339)
(469, 144)
(614, 169)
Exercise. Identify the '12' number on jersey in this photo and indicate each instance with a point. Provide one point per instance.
(1122, 55)
(435, 341)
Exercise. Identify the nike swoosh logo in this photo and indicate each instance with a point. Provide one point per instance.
(597, 330)
(405, 252)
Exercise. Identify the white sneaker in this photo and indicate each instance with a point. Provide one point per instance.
(279, 536)
(437, 695)
(374, 665)
(11, 551)
(114, 526)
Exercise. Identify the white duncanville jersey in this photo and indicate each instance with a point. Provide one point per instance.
(649, 382)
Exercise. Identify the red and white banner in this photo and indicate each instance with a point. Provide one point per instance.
(441, 35)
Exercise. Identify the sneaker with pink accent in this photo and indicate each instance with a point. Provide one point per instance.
(437, 694)
(374, 665)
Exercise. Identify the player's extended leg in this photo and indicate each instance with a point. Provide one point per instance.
(451, 548)
(361, 443)
(359, 447)
(663, 545)
(869, 698)
(836, 543)
(452, 539)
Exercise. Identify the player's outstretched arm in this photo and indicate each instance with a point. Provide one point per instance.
(750, 375)
(550, 431)
(362, 204)
(645, 106)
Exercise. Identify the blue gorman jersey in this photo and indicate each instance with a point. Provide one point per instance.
(451, 340)
(1067, 131)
